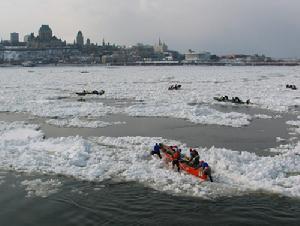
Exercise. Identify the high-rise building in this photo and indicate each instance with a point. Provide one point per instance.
(14, 38)
(45, 33)
(88, 42)
(79, 39)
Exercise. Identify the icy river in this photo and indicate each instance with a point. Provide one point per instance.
(84, 160)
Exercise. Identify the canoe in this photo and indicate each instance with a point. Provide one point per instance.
(167, 154)
(94, 92)
(220, 99)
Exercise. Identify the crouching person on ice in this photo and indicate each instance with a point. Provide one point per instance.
(205, 170)
(156, 150)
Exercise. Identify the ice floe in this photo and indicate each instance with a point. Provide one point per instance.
(262, 116)
(296, 126)
(39, 93)
(127, 158)
(196, 114)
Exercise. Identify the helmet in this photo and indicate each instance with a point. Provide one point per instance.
(191, 149)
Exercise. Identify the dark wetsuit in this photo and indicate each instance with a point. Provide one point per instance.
(156, 151)
(194, 162)
(206, 170)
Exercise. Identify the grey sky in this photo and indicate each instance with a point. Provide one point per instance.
(271, 27)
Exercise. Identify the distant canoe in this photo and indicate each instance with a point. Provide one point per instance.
(233, 100)
(94, 92)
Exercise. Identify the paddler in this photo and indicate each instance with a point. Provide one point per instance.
(176, 158)
(206, 169)
(194, 158)
(156, 150)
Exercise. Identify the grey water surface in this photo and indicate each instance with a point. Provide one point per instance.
(128, 203)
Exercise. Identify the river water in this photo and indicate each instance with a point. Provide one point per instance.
(126, 203)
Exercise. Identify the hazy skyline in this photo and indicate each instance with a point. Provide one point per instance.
(268, 27)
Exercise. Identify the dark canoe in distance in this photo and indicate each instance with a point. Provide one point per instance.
(174, 87)
(94, 92)
(222, 99)
(197, 172)
(293, 87)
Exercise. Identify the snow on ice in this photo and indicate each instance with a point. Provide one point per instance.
(127, 158)
(36, 92)
(23, 147)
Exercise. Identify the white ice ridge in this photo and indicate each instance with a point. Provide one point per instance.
(295, 124)
(127, 158)
(262, 116)
(50, 91)
(196, 114)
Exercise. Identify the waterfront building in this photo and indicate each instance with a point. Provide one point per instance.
(195, 57)
(79, 39)
(45, 39)
(14, 38)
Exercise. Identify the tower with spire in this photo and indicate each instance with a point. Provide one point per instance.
(161, 47)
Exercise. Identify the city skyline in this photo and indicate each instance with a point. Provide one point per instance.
(246, 27)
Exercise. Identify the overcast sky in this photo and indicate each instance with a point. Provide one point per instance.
(271, 27)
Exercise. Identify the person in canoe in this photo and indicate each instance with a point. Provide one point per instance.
(194, 158)
(171, 87)
(236, 100)
(176, 158)
(156, 150)
(206, 170)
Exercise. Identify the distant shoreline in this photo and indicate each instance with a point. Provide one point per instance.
(158, 64)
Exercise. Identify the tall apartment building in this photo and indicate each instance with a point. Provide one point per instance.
(14, 38)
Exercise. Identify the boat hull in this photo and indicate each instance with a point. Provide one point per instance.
(197, 172)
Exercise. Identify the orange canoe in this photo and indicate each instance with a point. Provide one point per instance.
(168, 153)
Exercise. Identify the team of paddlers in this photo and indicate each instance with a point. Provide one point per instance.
(293, 87)
(181, 161)
(235, 100)
(174, 87)
(94, 92)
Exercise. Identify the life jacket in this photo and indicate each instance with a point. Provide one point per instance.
(176, 155)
